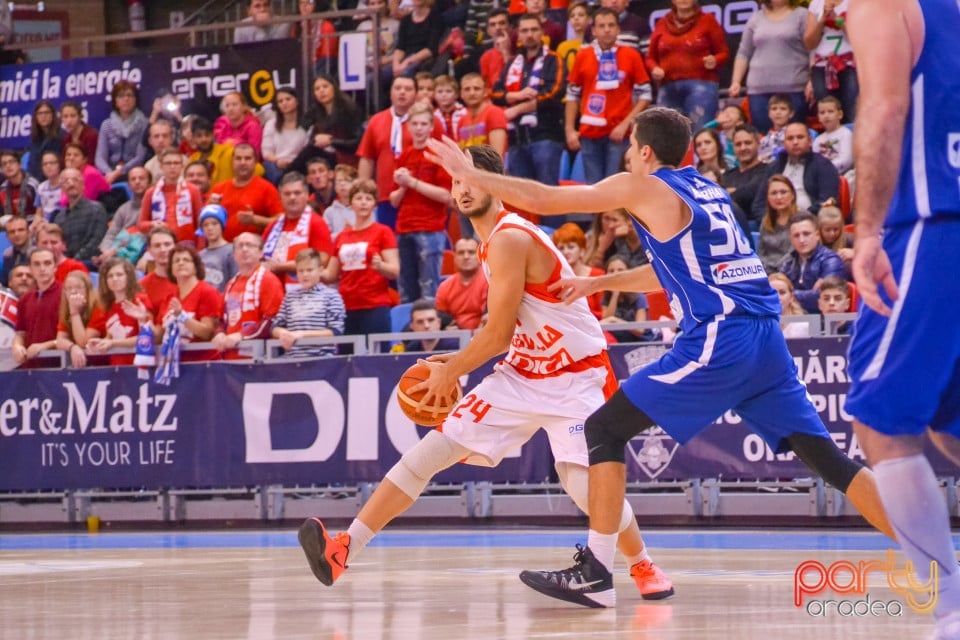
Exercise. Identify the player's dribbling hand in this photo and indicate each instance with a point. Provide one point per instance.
(570, 289)
(871, 267)
(438, 388)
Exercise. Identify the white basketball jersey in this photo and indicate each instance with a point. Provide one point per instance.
(551, 337)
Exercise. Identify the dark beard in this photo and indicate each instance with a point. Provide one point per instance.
(480, 210)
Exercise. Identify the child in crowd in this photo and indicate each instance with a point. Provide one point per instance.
(339, 215)
(421, 197)
(835, 298)
(578, 22)
(780, 111)
(217, 257)
(425, 86)
(312, 311)
(449, 110)
(836, 142)
(832, 233)
(728, 119)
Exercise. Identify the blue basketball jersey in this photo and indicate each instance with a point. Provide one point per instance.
(929, 182)
(708, 268)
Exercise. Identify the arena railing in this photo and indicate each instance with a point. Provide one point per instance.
(371, 344)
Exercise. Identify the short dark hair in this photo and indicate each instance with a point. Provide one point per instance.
(530, 16)
(423, 304)
(188, 248)
(747, 128)
(835, 282)
(10, 153)
(199, 123)
(666, 131)
(803, 216)
(486, 158)
(161, 230)
(318, 160)
(606, 11)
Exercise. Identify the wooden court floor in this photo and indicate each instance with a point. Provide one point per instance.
(420, 584)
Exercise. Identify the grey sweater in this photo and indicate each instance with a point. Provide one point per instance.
(779, 62)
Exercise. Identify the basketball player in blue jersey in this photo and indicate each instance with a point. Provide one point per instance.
(731, 352)
(905, 353)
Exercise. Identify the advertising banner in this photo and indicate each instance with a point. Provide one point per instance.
(327, 421)
(198, 77)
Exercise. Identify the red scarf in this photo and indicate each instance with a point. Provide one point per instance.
(678, 26)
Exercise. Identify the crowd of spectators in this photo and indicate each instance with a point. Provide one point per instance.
(298, 221)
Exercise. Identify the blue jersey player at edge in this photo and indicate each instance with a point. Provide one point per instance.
(905, 352)
(731, 353)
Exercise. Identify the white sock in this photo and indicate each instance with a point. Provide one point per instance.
(640, 557)
(603, 546)
(918, 514)
(360, 536)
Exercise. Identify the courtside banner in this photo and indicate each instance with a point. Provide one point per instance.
(218, 425)
(323, 421)
(198, 77)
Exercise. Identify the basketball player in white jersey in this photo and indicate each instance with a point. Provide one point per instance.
(555, 374)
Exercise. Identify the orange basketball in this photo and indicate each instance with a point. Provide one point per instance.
(408, 401)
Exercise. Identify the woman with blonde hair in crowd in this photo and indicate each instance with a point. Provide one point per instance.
(775, 227)
(237, 124)
(790, 307)
(572, 243)
(832, 233)
(78, 299)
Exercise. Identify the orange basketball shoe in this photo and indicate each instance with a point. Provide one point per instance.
(327, 555)
(651, 581)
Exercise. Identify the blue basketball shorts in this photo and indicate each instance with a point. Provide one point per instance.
(905, 369)
(739, 363)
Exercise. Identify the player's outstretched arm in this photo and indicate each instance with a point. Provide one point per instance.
(641, 279)
(615, 192)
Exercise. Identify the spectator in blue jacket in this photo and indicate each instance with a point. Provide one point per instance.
(809, 262)
(813, 176)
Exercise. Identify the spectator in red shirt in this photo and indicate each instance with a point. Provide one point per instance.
(385, 138)
(251, 299)
(251, 201)
(37, 310)
(18, 191)
(365, 259)
(421, 196)
(464, 294)
(484, 122)
(299, 228)
(608, 86)
(198, 303)
(123, 309)
(156, 284)
(173, 201)
(51, 237)
(687, 48)
(494, 60)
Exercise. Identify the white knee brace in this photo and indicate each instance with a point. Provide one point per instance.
(426, 459)
(574, 480)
